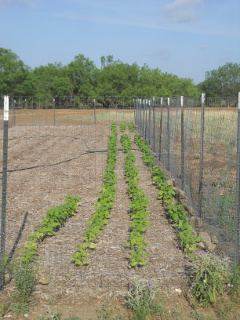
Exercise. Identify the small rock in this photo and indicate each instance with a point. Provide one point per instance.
(201, 245)
(44, 278)
(44, 297)
(214, 239)
(171, 182)
(179, 291)
(205, 237)
(190, 210)
(195, 222)
(180, 195)
(211, 246)
(7, 278)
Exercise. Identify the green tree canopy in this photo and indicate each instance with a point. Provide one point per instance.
(15, 76)
(82, 78)
(116, 78)
(52, 80)
(81, 75)
(222, 82)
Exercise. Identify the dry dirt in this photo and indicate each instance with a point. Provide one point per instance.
(45, 163)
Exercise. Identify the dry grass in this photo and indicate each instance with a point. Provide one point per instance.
(40, 117)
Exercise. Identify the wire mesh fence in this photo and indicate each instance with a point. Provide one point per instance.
(54, 152)
(58, 147)
(196, 141)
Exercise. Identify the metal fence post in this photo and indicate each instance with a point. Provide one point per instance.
(54, 113)
(201, 155)
(4, 190)
(145, 119)
(237, 214)
(149, 122)
(182, 144)
(141, 117)
(160, 133)
(94, 106)
(154, 126)
(14, 112)
(168, 136)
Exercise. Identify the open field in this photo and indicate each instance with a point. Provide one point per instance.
(32, 117)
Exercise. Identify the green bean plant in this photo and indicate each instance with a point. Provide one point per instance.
(175, 211)
(138, 206)
(104, 205)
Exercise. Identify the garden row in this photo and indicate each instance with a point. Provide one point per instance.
(174, 210)
(138, 207)
(104, 205)
(56, 216)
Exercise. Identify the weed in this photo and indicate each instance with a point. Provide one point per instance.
(234, 283)
(107, 313)
(55, 315)
(18, 307)
(52, 314)
(197, 316)
(25, 277)
(140, 298)
(209, 276)
(3, 309)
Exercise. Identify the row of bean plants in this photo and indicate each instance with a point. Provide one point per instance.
(104, 205)
(174, 210)
(138, 206)
(123, 126)
(54, 219)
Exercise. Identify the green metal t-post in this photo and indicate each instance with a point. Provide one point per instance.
(4, 190)
(237, 214)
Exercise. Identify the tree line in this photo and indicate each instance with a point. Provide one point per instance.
(114, 78)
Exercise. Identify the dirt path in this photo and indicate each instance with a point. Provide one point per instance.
(166, 262)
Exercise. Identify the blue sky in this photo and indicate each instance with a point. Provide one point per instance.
(182, 37)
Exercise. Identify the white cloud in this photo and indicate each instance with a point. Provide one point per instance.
(10, 3)
(203, 47)
(161, 53)
(183, 10)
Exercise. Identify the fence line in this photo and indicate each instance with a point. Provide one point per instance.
(196, 140)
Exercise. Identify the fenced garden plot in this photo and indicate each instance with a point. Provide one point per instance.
(47, 162)
(196, 141)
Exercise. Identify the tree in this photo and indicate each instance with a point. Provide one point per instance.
(222, 82)
(117, 79)
(15, 76)
(52, 81)
(152, 82)
(80, 73)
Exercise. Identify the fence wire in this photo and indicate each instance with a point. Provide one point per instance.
(196, 141)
